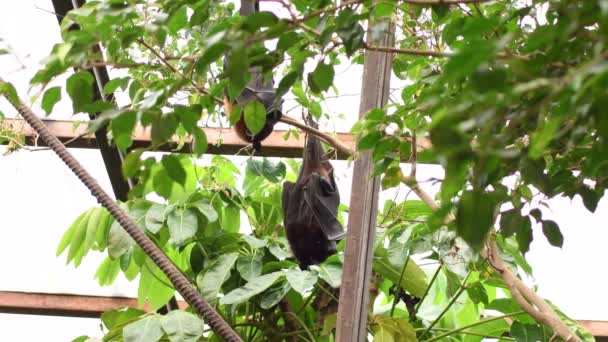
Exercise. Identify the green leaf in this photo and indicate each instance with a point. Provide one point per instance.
(321, 78)
(301, 281)
(252, 288)
(541, 138)
(383, 335)
(122, 129)
(115, 83)
(286, 83)
(331, 273)
(274, 294)
(153, 286)
(119, 241)
(181, 326)
(199, 142)
(255, 243)
(369, 141)
(155, 218)
(477, 293)
(50, 98)
(107, 271)
(211, 54)
(79, 236)
(413, 279)
(329, 324)
(9, 91)
(524, 236)
(273, 171)
(174, 168)
(475, 217)
(103, 230)
(526, 332)
(210, 282)
(250, 266)
(66, 239)
(147, 329)
(132, 163)
(182, 224)
(178, 20)
(278, 251)
(163, 128)
(255, 116)
(113, 318)
(392, 177)
(80, 88)
(205, 208)
(230, 219)
(552, 233)
(188, 116)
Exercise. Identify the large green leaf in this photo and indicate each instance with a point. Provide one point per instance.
(475, 217)
(155, 217)
(301, 281)
(182, 224)
(119, 240)
(331, 273)
(210, 281)
(80, 88)
(255, 116)
(252, 288)
(154, 286)
(113, 318)
(50, 98)
(147, 329)
(181, 326)
(250, 266)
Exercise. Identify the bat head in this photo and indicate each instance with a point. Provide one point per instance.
(313, 249)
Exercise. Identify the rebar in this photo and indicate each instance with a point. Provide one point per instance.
(179, 281)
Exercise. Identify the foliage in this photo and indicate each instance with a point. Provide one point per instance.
(509, 94)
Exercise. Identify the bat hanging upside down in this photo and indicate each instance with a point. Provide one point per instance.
(257, 89)
(310, 207)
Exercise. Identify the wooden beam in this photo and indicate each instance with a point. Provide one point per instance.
(93, 306)
(64, 305)
(354, 292)
(221, 140)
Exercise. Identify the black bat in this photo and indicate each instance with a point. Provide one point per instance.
(310, 207)
(257, 89)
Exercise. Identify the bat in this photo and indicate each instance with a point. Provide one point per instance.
(310, 207)
(257, 89)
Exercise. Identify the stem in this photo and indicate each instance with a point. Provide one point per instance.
(483, 321)
(399, 285)
(445, 310)
(428, 288)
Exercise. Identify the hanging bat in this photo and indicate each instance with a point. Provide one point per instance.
(257, 89)
(310, 207)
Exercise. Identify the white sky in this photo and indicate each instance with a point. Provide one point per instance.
(40, 198)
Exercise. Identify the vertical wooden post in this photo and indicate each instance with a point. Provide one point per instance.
(354, 292)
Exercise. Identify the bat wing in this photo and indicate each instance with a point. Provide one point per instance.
(324, 206)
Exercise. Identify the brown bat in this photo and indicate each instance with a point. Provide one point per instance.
(257, 89)
(310, 207)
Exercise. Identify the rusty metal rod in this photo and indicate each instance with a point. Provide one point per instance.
(179, 281)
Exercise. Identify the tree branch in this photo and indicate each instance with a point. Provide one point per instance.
(321, 135)
(528, 300)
